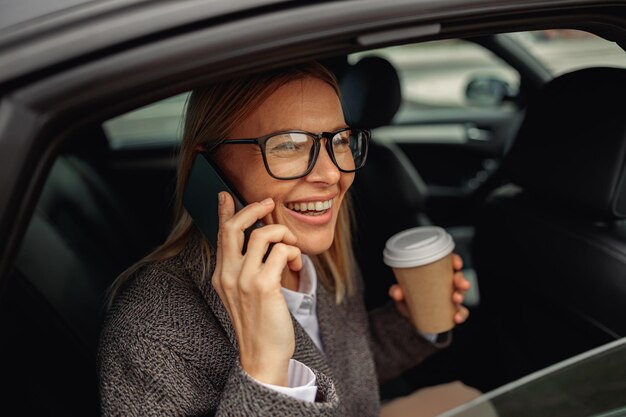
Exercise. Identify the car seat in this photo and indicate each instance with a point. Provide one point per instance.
(81, 236)
(388, 193)
(550, 246)
(390, 196)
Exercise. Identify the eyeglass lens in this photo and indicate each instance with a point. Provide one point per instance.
(290, 154)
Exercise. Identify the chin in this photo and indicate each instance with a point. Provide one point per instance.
(314, 247)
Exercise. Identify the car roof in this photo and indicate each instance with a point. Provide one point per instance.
(18, 12)
(36, 34)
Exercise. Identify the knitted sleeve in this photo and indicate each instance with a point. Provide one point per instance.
(163, 353)
(397, 346)
(142, 377)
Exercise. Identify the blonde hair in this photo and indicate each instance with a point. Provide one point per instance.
(211, 113)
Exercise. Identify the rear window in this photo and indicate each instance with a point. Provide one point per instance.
(158, 124)
(437, 74)
(566, 50)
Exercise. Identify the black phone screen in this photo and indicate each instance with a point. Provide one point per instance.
(200, 198)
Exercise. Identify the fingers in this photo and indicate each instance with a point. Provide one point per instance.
(457, 262)
(461, 286)
(233, 225)
(461, 315)
(230, 237)
(280, 255)
(260, 240)
(225, 210)
(225, 207)
(234, 269)
(461, 283)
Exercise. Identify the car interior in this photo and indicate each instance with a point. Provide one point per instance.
(534, 197)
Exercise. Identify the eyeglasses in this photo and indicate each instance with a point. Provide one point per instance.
(292, 154)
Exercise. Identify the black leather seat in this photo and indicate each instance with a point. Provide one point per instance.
(80, 238)
(390, 196)
(550, 247)
(388, 193)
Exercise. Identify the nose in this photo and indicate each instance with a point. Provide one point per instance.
(324, 169)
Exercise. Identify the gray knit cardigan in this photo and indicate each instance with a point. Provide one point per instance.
(168, 349)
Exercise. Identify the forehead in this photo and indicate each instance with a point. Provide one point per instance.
(306, 104)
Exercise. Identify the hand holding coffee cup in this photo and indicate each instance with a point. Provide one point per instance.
(432, 286)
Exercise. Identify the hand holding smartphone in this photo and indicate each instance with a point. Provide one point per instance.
(266, 334)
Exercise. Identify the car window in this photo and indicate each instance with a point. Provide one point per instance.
(590, 384)
(433, 75)
(458, 74)
(437, 74)
(442, 75)
(565, 50)
(157, 124)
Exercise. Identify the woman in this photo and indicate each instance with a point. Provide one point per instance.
(193, 331)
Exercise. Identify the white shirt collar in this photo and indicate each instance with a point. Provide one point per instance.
(302, 303)
(303, 300)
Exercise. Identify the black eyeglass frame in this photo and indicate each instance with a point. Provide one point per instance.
(317, 139)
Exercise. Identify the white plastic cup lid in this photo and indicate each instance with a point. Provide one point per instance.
(418, 246)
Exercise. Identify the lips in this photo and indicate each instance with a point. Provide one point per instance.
(310, 206)
(316, 212)
(312, 218)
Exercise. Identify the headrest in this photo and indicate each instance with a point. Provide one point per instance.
(571, 147)
(370, 91)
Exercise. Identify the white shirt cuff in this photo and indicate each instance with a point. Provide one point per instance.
(302, 382)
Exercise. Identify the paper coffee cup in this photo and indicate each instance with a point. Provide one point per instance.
(422, 263)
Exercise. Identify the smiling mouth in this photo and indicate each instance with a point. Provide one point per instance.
(311, 208)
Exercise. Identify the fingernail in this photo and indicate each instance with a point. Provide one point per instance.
(267, 202)
(220, 198)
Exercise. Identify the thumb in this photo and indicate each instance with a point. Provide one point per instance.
(396, 293)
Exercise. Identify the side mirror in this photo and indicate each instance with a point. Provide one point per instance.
(488, 91)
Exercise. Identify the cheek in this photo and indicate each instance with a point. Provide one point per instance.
(346, 181)
(257, 185)
(255, 189)
(248, 175)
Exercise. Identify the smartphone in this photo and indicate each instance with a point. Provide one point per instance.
(200, 198)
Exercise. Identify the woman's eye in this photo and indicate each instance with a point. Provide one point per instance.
(285, 147)
(341, 141)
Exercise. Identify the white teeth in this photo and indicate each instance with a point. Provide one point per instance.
(311, 206)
